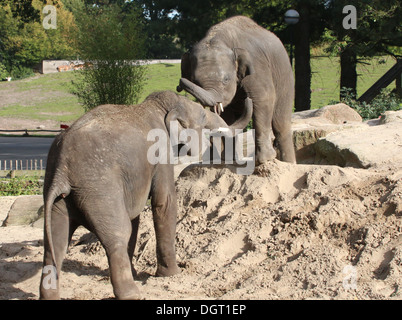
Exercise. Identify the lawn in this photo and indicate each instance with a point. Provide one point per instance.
(48, 96)
(326, 75)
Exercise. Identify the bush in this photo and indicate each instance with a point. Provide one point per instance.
(385, 101)
(20, 186)
(21, 72)
(109, 41)
(3, 72)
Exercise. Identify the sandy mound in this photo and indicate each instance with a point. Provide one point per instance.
(286, 232)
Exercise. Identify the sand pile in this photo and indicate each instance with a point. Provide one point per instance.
(286, 232)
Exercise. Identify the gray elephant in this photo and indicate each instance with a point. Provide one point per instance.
(238, 59)
(99, 175)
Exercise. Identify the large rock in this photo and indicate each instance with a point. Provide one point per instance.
(24, 211)
(311, 125)
(364, 147)
(391, 116)
(332, 114)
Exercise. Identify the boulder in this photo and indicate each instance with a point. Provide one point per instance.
(311, 125)
(339, 114)
(332, 114)
(391, 116)
(24, 211)
(364, 147)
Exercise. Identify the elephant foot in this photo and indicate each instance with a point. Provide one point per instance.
(49, 295)
(133, 293)
(263, 156)
(163, 271)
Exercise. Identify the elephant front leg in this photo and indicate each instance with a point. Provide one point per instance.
(263, 98)
(262, 123)
(164, 209)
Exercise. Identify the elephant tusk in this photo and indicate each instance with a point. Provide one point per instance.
(220, 109)
(221, 106)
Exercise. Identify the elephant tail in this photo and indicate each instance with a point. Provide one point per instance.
(59, 187)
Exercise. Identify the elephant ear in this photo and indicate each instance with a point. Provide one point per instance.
(244, 63)
(176, 114)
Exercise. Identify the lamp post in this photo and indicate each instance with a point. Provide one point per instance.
(291, 18)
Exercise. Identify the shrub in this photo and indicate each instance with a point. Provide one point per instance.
(20, 186)
(109, 41)
(3, 72)
(385, 101)
(21, 72)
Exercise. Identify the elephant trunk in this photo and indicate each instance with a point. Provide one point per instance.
(216, 122)
(206, 98)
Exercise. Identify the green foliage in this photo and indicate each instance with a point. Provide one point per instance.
(378, 28)
(109, 41)
(20, 186)
(385, 101)
(23, 40)
(3, 71)
(21, 72)
(162, 40)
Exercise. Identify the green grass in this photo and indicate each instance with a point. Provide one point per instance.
(48, 96)
(326, 75)
(61, 109)
(161, 77)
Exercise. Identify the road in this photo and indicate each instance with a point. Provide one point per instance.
(24, 148)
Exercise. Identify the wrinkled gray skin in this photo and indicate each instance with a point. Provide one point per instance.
(98, 176)
(239, 59)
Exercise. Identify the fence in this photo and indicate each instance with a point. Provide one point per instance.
(30, 164)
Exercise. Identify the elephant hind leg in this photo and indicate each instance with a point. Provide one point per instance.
(112, 226)
(133, 241)
(164, 211)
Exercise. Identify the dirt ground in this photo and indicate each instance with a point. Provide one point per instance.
(285, 232)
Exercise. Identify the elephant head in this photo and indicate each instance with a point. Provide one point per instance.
(187, 114)
(191, 115)
(211, 73)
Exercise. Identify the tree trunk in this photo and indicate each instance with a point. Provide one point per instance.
(348, 71)
(302, 60)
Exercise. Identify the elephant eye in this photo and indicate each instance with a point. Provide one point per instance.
(226, 79)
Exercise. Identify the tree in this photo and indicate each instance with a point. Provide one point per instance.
(159, 25)
(109, 40)
(24, 41)
(377, 32)
(307, 32)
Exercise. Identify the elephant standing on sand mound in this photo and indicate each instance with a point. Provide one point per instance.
(239, 59)
(99, 174)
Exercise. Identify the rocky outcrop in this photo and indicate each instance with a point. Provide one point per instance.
(336, 135)
(24, 211)
(365, 146)
(311, 125)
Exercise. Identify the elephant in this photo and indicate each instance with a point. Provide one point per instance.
(237, 59)
(99, 175)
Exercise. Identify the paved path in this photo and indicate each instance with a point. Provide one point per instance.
(23, 148)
